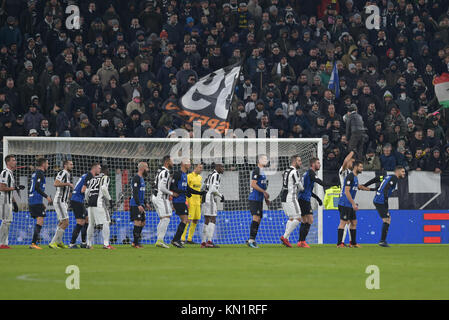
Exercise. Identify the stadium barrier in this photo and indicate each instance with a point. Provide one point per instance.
(408, 226)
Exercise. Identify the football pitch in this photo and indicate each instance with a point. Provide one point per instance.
(231, 272)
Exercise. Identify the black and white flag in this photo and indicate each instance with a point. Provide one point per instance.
(210, 98)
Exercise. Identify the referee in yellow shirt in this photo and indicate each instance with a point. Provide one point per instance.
(194, 181)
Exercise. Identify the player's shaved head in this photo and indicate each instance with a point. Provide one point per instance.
(262, 160)
(142, 168)
(185, 164)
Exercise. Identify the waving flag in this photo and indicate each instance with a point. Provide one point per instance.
(209, 100)
(441, 84)
(334, 81)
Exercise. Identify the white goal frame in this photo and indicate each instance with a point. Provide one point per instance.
(318, 141)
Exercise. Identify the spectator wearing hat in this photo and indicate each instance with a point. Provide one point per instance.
(33, 133)
(256, 114)
(135, 104)
(10, 33)
(7, 128)
(435, 162)
(283, 73)
(7, 114)
(81, 101)
(260, 77)
(418, 141)
(239, 118)
(84, 127)
(112, 112)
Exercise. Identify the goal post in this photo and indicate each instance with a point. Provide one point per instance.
(239, 156)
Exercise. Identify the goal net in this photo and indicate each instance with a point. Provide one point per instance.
(122, 156)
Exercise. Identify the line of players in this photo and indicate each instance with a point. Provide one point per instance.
(189, 199)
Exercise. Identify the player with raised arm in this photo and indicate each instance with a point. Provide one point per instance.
(63, 186)
(209, 207)
(161, 199)
(256, 197)
(194, 184)
(380, 200)
(343, 172)
(138, 203)
(98, 200)
(291, 185)
(36, 195)
(8, 204)
(308, 180)
(79, 210)
(347, 205)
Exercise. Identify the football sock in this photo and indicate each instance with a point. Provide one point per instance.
(306, 230)
(302, 229)
(210, 231)
(37, 231)
(191, 231)
(290, 228)
(340, 236)
(385, 227)
(253, 230)
(184, 233)
(136, 233)
(84, 233)
(179, 231)
(89, 233)
(106, 233)
(162, 229)
(352, 232)
(287, 228)
(58, 235)
(75, 233)
(204, 233)
(4, 230)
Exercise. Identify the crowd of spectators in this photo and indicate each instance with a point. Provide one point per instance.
(113, 75)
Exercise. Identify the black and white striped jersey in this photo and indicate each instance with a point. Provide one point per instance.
(97, 191)
(342, 174)
(291, 185)
(62, 193)
(7, 178)
(212, 186)
(161, 184)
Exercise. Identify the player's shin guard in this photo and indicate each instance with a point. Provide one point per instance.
(179, 231)
(106, 232)
(37, 231)
(385, 227)
(84, 232)
(253, 230)
(352, 232)
(75, 233)
(4, 231)
(90, 234)
(210, 231)
(162, 229)
(340, 236)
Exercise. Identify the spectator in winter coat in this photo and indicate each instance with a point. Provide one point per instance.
(435, 161)
(106, 72)
(32, 119)
(387, 159)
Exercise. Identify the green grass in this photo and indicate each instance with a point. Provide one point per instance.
(231, 272)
